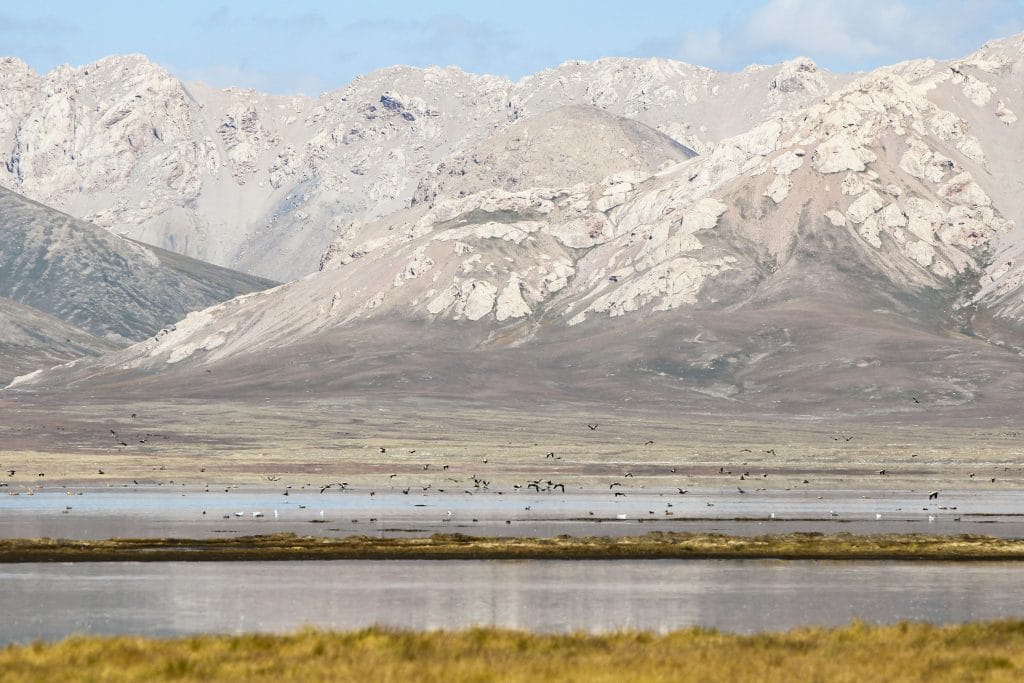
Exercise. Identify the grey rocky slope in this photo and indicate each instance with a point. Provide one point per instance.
(264, 183)
(860, 254)
(31, 339)
(109, 286)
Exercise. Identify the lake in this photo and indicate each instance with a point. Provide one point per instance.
(189, 511)
(51, 601)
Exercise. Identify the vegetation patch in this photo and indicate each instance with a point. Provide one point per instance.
(858, 652)
(656, 545)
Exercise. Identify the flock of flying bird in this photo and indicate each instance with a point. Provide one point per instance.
(479, 484)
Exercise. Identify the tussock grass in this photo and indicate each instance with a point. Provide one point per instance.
(858, 652)
(656, 545)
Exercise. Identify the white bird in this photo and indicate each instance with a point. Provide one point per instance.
(239, 514)
(275, 514)
(833, 513)
(321, 514)
(878, 515)
(931, 518)
(772, 515)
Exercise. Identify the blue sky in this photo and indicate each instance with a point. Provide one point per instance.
(311, 47)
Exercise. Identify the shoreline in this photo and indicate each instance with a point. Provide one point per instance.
(652, 546)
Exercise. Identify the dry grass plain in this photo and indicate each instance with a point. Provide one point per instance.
(365, 441)
(858, 652)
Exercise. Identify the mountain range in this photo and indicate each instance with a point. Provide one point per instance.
(629, 232)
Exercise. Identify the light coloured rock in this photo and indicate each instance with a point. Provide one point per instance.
(788, 161)
(962, 189)
(836, 218)
(479, 299)
(1005, 114)
(869, 230)
(510, 303)
(853, 184)
(841, 153)
(865, 205)
(778, 188)
(923, 218)
(921, 252)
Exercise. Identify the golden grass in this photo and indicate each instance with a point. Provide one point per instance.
(655, 545)
(903, 652)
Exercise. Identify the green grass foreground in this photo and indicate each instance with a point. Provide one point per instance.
(903, 652)
(657, 545)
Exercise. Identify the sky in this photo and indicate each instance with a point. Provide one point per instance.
(312, 47)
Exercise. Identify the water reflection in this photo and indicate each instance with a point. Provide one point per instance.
(50, 601)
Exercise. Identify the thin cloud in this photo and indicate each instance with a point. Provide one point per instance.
(848, 35)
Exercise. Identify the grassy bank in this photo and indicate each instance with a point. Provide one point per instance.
(658, 545)
(903, 652)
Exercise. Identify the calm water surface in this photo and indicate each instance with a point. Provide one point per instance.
(50, 601)
(151, 511)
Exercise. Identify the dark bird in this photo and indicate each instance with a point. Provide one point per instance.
(614, 484)
(134, 416)
(882, 472)
(682, 491)
(740, 490)
(933, 495)
(99, 471)
(123, 443)
(383, 450)
(10, 473)
(592, 427)
(550, 455)
(619, 493)
(770, 451)
(915, 399)
(559, 486)
(406, 490)
(648, 443)
(393, 476)
(628, 474)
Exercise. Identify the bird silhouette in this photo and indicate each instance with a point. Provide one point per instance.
(592, 427)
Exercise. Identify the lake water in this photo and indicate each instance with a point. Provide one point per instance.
(50, 601)
(152, 511)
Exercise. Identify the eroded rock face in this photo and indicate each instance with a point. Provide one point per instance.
(897, 187)
(265, 183)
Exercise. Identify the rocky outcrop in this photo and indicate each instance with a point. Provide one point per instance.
(265, 183)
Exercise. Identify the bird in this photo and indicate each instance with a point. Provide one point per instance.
(881, 472)
(915, 399)
(682, 491)
(383, 450)
(592, 427)
(648, 442)
(614, 484)
(99, 471)
(932, 495)
(740, 490)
